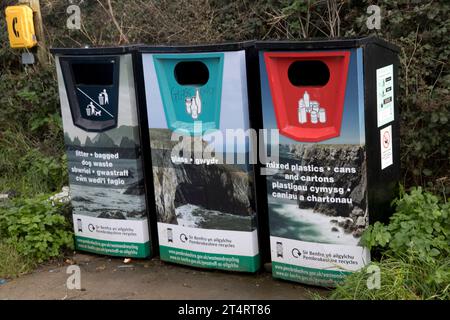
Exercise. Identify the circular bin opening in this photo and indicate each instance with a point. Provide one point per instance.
(304, 73)
(191, 73)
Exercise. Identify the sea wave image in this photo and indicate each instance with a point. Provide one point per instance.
(194, 216)
(289, 221)
(107, 203)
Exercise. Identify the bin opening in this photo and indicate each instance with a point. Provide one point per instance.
(191, 73)
(93, 73)
(305, 73)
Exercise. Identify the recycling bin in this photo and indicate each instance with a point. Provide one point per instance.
(203, 180)
(333, 103)
(103, 145)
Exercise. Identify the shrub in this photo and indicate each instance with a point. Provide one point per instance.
(421, 224)
(36, 228)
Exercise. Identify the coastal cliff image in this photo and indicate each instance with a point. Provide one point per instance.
(215, 196)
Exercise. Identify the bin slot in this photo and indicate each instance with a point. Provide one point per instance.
(304, 73)
(191, 73)
(93, 73)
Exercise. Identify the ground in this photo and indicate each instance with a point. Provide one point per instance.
(110, 278)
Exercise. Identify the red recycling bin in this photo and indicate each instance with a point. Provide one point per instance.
(308, 92)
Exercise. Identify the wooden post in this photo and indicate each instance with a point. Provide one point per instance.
(42, 55)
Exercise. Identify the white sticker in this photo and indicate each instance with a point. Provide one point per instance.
(385, 95)
(386, 147)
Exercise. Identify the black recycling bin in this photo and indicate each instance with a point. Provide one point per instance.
(333, 103)
(103, 145)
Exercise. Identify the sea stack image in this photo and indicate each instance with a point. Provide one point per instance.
(203, 181)
(333, 103)
(98, 106)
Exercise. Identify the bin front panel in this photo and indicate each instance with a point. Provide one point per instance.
(93, 84)
(186, 103)
(320, 121)
(104, 162)
(317, 188)
(205, 204)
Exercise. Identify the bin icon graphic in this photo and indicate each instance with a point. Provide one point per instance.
(191, 89)
(92, 85)
(308, 91)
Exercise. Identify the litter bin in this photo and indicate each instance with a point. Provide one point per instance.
(203, 180)
(99, 111)
(333, 103)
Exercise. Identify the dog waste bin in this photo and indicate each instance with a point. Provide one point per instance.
(333, 102)
(202, 178)
(98, 106)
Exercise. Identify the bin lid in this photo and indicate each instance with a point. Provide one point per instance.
(189, 48)
(95, 50)
(325, 43)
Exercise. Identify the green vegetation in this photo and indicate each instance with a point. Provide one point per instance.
(36, 227)
(13, 264)
(415, 249)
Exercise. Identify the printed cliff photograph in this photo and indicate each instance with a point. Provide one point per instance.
(339, 218)
(120, 193)
(204, 196)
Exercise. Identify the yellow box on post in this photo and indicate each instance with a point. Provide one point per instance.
(20, 26)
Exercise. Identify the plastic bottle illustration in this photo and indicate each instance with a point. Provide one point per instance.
(194, 104)
(302, 111)
(322, 115)
(306, 99)
(314, 117)
(188, 102)
(198, 101)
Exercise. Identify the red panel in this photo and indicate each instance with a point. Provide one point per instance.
(286, 96)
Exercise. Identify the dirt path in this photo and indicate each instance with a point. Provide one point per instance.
(110, 278)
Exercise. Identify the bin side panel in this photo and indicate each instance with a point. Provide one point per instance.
(382, 129)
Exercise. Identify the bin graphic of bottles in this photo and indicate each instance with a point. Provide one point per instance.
(103, 146)
(308, 91)
(190, 99)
